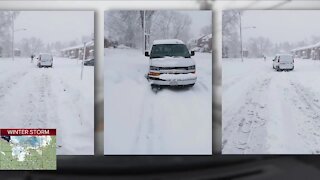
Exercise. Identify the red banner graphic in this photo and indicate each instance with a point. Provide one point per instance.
(27, 132)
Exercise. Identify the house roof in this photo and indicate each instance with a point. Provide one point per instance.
(79, 46)
(307, 47)
(204, 37)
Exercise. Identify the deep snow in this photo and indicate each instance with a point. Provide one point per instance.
(32, 97)
(139, 121)
(270, 112)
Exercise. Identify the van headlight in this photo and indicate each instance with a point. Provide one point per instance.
(154, 68)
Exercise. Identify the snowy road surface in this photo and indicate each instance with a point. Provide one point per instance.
(139, 121)
(32, 97)
(266, 112)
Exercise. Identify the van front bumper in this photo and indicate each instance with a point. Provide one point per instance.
(174, 79)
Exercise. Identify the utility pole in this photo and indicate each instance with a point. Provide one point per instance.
(241, 50)
(144, 31)
(12, 28)
(83, 58)
(12, 34)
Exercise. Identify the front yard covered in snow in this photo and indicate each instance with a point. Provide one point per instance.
(139, 121)
(265, 111)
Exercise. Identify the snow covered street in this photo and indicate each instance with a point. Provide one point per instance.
(140, 121)
(32, 97)
(270, 112)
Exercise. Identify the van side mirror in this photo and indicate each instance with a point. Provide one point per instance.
(192, 53)
(146, 54)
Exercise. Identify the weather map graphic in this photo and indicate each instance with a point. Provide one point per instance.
(28, 149)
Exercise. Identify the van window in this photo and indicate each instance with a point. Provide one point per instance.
(171, 50)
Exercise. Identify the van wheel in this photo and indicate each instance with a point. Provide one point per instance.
(155, 88)
(190, 85)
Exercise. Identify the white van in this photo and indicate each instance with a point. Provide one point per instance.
(45, 60)
(170, 64)
(283, 62)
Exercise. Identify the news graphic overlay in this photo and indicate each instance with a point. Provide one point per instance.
(28, 149)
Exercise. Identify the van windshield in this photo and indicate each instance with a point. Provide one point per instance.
(171, 50)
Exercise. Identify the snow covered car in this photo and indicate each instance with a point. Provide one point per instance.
(283, 62)
(45, 60)
(170, 64)
(89, 62)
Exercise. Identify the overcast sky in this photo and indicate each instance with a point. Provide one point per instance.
(52, 26)
(281, 25)
(199, 19)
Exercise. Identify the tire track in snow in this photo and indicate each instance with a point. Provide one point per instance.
(40, 107)
(143, 141)
(239, 84)
(308, 105)
(36, 113)
(77, 115)
(148, 139)
(243, 124)
(230, 83)
(40, 111)
(311, 102)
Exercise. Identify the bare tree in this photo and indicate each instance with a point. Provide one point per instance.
(31, 45)
(259, 47)
(206, 30)
(123, 27)
(126, 27)
(171, 24)
(181, 24)
(146, 24)
(5, 31)
(230, 36)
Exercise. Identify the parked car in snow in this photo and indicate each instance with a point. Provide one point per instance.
(89, 62)
(170, 64)
(283, 62)
(45, 60)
